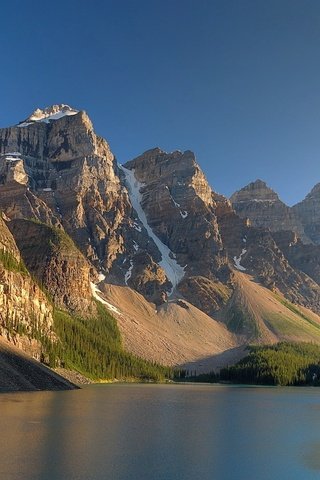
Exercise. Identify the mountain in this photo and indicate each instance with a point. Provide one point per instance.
(190, 276)
(263, 207)
(177, 211)
(293, 229)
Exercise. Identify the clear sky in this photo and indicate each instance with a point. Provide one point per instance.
(236, 81)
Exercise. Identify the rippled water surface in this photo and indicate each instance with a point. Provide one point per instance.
(161, 432)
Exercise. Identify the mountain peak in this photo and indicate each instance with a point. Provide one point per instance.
(255, 191)
(259, 183)
(157, 156)
(263, 207)
(53, 112)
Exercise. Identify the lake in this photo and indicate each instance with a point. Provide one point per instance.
(161, 432)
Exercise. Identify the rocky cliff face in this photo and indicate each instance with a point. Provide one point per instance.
(176, 208)
(262, 206)
(264, 256)
(308, 213)
(305, 258)
(51, 256)
(69, 178)
(293, 266)
(180, 209)
(26, 316)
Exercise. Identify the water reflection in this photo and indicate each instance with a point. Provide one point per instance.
(155, 432)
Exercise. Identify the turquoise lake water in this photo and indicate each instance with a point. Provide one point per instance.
(161, 432)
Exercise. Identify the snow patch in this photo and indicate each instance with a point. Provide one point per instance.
(101, 277)
(237, 260)
(47, 189)
(261, 200)
(112, 307)
(183, 213)
(173, 270)
(176, 204)
(96, 293)
(52, 113)
(137, 227)
(11, 154)
(244, 239)
(24, 124)
(12, 159)
(135, 245)
(128, 273)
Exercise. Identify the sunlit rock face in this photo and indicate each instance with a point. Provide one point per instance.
(71, 179)
(25, 311)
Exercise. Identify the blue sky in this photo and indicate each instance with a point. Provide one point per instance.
(236, 81)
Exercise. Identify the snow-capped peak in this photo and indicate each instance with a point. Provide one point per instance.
(49, 113)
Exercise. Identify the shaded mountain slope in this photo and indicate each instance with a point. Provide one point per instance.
(19, 372)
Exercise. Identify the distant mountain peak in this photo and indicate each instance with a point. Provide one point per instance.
(259, 183)
(53, 112)
(255, 191)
